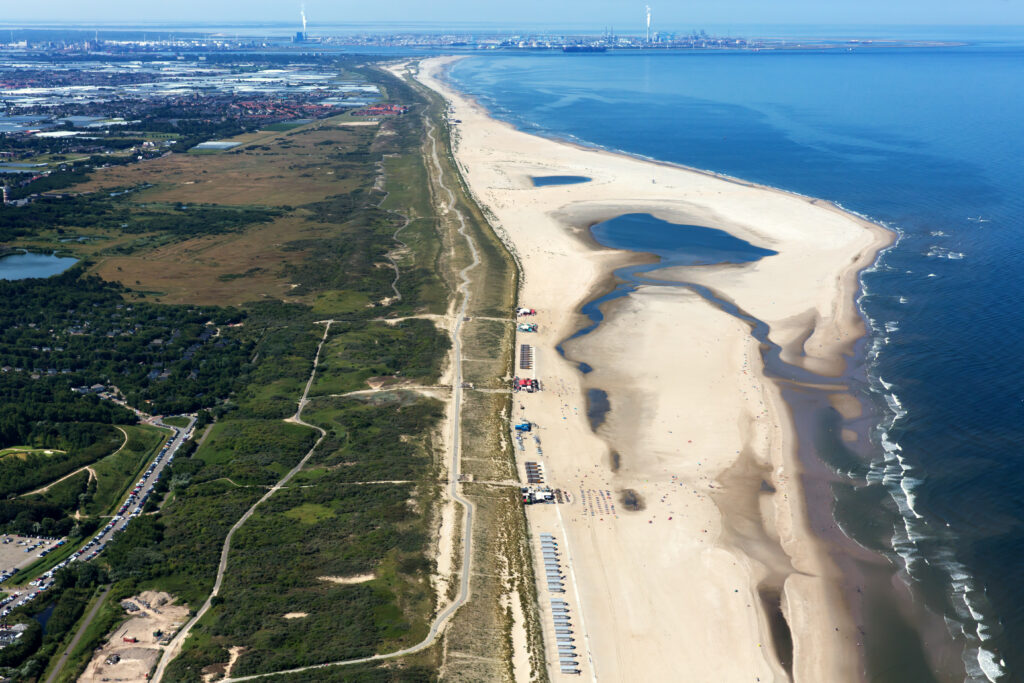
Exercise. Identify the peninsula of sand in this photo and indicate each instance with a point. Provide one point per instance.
(683, 539)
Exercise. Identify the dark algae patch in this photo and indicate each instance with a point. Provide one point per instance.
(597, 407)
(631, 500)
(782, 637)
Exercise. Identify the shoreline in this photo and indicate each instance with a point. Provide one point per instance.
(741, 542)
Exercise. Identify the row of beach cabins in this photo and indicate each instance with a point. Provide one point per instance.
(561, 613)
(536, 492)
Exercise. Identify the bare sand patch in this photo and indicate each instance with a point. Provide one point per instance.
(216, 672)
(296, 615)
(133, 648)
(347, 580)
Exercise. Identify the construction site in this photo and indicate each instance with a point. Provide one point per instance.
(133, 649)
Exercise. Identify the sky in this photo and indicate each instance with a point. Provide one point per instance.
(622, 14)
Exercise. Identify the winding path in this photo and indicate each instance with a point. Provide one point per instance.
(453, 482)
(82, 468)
(391, 258)
(174, 648)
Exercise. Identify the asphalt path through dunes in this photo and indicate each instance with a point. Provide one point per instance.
(453, 482)
(78, 636)
(175, 645)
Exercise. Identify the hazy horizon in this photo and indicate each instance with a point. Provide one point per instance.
(575, 13)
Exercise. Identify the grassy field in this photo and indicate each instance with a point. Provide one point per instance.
(116, 473)
(273, 176)
(21, 452)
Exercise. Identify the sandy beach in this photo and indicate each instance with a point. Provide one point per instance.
(688, 583)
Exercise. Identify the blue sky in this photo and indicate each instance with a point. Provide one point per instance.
(623, 14)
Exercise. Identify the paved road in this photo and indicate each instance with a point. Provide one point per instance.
(78, 636)
(136, 498)
(132, 503)
(469, 509)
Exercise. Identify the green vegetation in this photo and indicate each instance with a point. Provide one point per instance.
(355, 352)
(310, 513)
(323, 527)
(75, 588)
(83, 443)
(248, 452)
(180, 220)
(286, 125)
(366, 502)
(179, 550)
(480, 636)
(118, 472)
(63, 335)
(109, 615)
(369, 440)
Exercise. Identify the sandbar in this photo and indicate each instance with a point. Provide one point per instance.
(694, 581)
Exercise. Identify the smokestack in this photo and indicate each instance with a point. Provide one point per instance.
(648, 23)
(303, 13)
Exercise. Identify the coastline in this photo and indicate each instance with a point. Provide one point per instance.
(724, 541)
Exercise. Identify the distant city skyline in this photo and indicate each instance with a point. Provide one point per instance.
(623, 15)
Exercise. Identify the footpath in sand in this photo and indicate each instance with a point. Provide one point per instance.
(686, 581)
(133, 649)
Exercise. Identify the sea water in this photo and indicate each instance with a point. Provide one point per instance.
(929, 142)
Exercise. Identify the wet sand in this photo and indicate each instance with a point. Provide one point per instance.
(712, 571)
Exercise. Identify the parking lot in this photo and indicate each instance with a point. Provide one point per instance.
(21, 551)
